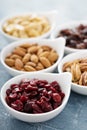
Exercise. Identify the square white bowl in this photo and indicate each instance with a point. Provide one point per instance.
(57, 44)
(70, 25)
(73, 56)
(50, 15)
(64, 81)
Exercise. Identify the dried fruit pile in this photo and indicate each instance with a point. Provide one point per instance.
(75, 38)
(31, 57)
(34, 96)
(78, 68)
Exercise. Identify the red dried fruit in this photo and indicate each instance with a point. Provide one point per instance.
(36, 108)
(14, 86)
(23, 98)
(34, 96)
(8, 91)
(17, 105)
(56, 97)
(13, 96)
(28, 107)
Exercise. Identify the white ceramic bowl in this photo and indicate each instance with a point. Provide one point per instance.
(64, 81)
(56, 44)
(70, 25)
(77, 55)
(51, 16)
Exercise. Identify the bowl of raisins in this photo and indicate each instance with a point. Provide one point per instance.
(36, 97)
(75, 34)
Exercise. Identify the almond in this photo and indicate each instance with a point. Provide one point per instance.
(40, 50)
(53, 56)
(44, 54)
(14, 56)
(26, 58)
(9, 62)
(18, 64)
(29, 68)
(45, 62)
(33, 49)
(46, 48)
(39, 66)
(19, 52)
(26, 45)
(34, 58)
(31, 64)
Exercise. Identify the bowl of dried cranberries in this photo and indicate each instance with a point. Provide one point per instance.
(36, 97)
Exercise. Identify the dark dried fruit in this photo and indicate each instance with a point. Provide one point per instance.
(75, 38)
(34, 96)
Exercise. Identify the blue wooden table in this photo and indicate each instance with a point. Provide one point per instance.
(74, 116)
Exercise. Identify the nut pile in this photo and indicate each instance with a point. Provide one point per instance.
(75, 38)
(31, 57)
(78, 68)
(34, 96)
(26, 26)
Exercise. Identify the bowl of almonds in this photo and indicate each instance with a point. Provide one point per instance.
(28, 25)
(76, 64)
(27, 56)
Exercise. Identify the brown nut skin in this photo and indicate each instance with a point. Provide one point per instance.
(29, 68)
(26, 58)
(53, 56)
(15, 56)
(39, 66)
(26, 45)
(19, 52)
(31, 64)
(9, 62)
(32, 49)
(45, 62)
(83, 79)
(18, 64)
(34, 58)
(44, 54)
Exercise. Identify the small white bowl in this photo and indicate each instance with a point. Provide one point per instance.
(77, 55)
(70, 25)
(56, 44)
(64, 81)
(51, 16)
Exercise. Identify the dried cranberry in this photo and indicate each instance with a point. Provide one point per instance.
(8, 91)
(56, 97)
(31, 88)
(62, 95)
(14, 86)
(23, 98)
(28, 107)
(8, 100)
(13, 96)
(36, 108)
(24, 85)
(17, 105)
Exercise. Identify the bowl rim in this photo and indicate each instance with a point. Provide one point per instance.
(68, 25)
(41, 114)
(68, 56)
(42, 13)
(38, 42)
